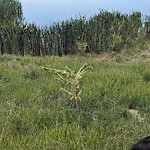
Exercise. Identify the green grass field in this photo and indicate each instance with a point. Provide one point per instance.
(35, 114)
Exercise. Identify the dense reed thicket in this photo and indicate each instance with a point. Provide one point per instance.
(105, 31)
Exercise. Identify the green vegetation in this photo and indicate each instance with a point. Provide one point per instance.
(115, 107)
(34, 114)
(105, 31)
(71, 84)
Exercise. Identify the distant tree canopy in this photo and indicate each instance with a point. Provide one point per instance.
(10, 10)
(105, 31)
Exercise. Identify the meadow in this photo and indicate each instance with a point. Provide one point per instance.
(35, 114)
(114, 110)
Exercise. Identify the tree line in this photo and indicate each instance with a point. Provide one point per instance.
(105, 31)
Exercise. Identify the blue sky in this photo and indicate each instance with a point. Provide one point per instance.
(44, 12)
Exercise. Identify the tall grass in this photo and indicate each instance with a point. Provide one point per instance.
(43, 118)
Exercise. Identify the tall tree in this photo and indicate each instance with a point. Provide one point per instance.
(10, 10)
(10, 16)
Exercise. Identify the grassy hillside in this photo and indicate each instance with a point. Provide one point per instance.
(35, 114)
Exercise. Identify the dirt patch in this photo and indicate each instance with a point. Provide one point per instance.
(136, 114)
